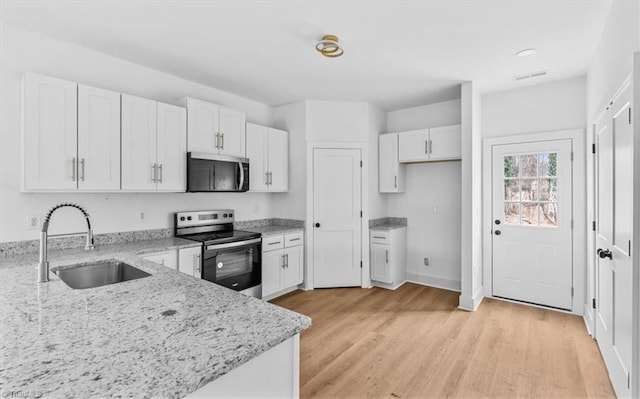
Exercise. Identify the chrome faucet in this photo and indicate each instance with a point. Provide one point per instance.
(43, 264)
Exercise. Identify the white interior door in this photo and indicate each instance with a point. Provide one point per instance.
(337, 217)
(532, 222)
(614, 182)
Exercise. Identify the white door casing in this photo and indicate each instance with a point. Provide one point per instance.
(337, 210)
(532, 222)
(614, 205)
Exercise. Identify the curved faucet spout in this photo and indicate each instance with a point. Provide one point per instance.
(43, 264)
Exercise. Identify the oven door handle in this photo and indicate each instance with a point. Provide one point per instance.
(233, 244)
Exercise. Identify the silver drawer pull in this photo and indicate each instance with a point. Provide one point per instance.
(295, 239)
(274, 243)
(383, 238)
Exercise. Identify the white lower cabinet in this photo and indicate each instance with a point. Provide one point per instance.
(282, 263)
(190, 262)
(165, 258)
(388, 257)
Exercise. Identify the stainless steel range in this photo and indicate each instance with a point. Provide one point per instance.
(231, 258)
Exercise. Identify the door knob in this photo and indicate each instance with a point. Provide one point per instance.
(317, 224)
(604, 253)
(498, 232)
(497, 221)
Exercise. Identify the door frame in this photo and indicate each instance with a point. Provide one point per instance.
(579, 209)
(365, 280)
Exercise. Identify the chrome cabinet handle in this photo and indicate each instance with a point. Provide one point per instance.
(287, 257)
(426, 146)
(270, 178)
(283, 266)
(217, 140)
(153, 173)
(266, 178)
(386, 256)
(430, 146)
(82, 169)
(395, 181)
(222, 141)
(160, 169)
(383, 238)
(274, 243)
(73, 169)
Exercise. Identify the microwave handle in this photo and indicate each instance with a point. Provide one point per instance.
(241, 175)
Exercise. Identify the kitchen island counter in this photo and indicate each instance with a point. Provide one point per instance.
(166, 335)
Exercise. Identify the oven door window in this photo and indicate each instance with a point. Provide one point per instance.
(234, 263)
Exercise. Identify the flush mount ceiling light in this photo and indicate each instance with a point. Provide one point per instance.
(329, 46)
(526, 52)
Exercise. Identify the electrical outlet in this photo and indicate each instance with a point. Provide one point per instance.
(426, 262)
(142, 216)
(33, 222)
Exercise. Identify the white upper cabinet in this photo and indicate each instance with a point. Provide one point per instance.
(153, 146)
(268, 153)
(446, 143)
(49, 134)
(232, 132)
(413, 146)
(391, 173)
(214, 129)
(139, 134)
(171, 148)
(435, 144)
(98, 139)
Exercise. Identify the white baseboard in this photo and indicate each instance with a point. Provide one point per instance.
(588, 319)
(437, 282)
(388, 286)
(471, 303)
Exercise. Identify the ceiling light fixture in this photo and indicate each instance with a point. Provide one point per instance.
(329, 46)
(526, 52)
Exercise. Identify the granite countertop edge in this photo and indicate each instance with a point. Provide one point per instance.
(252, 326)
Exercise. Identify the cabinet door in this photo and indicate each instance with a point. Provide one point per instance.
(272, 263)
(189, 261)
(278, 160)
(202, 126)
(390, 179)
(257, 144)
(413, 146)
(292, 273)
(139, 165)
(49, 134)
(167, 258)
(445, 143)
(380, 270)
(98, 139)
(232, 131)
(172, 148)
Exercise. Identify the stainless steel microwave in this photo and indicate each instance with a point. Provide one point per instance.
(216, 173)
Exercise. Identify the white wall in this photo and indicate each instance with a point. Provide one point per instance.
(553, 106)
(377, 125)
(25, 51)
(432, 235)
(337, 121)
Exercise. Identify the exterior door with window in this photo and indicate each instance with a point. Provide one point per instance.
(532, 222)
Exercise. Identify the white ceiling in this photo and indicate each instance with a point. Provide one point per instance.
(398, 54)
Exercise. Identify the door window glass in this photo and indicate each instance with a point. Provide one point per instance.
(531, 189)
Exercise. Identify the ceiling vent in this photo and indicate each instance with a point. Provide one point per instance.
(531, 75)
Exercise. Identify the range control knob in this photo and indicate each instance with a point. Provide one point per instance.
(182, 218)
(225, 215)
(188, 217)
(231, 215)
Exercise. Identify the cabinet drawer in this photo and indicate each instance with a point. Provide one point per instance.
(293, 239)
(380, 237)
(272, 243)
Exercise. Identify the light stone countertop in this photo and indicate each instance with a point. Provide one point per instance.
(274, 230)
(162, 336)
(388, 226)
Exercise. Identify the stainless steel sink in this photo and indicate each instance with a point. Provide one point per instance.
(98, 274)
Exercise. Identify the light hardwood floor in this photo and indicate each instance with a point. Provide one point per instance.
(415, 343)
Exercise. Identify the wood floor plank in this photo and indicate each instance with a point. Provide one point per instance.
(415, 343)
